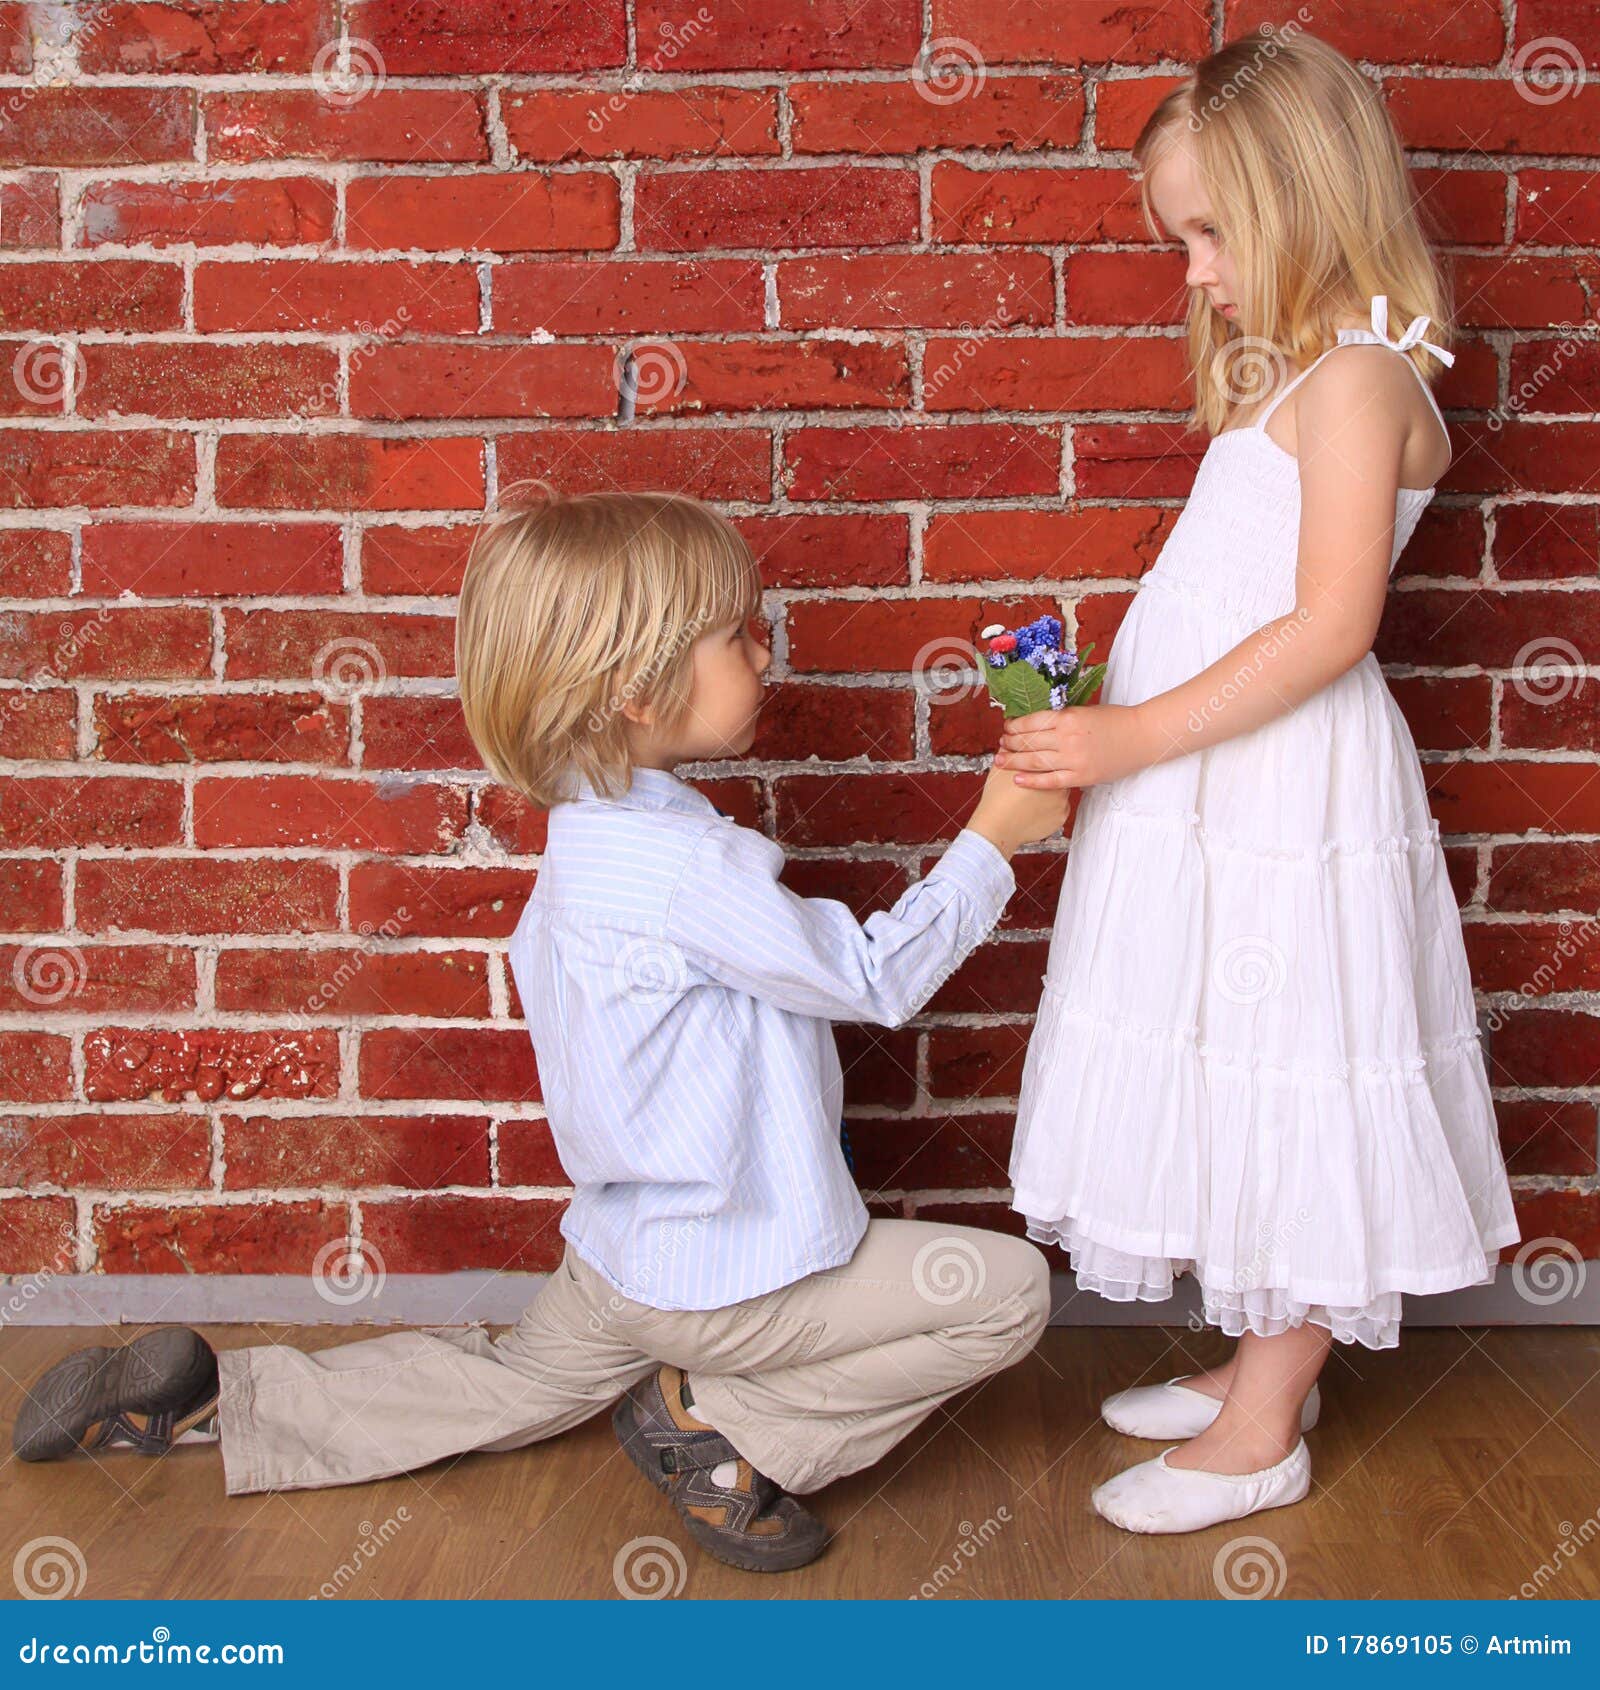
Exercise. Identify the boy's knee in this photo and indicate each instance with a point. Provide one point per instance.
(1027, 1274)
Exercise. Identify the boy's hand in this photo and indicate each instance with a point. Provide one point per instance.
(1009, 815)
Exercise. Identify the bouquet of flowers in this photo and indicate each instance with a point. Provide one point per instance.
(1027, 670)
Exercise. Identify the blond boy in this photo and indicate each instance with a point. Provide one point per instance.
(720, 1272)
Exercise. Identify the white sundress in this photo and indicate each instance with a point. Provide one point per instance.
(1256, 1057)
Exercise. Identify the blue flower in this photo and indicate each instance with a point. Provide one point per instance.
(1058, 698)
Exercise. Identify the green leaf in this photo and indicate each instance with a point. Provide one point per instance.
(1019, 688)
(1085, 683)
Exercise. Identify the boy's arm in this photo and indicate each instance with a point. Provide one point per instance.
(733, 918)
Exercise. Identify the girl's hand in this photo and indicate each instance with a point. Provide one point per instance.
(1081, 745)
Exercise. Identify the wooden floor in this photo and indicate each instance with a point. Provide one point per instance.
(1452, 1467)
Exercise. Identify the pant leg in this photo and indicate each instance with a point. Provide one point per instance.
(386, 1405)
(825, 1376)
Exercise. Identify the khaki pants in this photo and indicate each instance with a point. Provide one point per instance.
(808, 1382)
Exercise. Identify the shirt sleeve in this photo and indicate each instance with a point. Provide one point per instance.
(734, 919)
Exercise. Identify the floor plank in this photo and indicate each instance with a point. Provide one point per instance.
(1452, 1467)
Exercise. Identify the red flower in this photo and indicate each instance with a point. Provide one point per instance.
(1003, 642)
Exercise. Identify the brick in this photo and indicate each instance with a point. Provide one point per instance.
(1046, 373)
(206, 895)
(1019, 113)
(443, 903)
(31, 894)
(962, 1152)
(347, 650)
(1126, 287)
(356, 815)
(276, 211)
(235, 381)
(211, 559)
(143, 644)
(388, 125)
(1534, 958)
(513, 38)
(1539, 1136)
(39, 725)
(1524, 291)
(448, 381)
(520, 211)
(1557, 208)
(1055, 205)
(216, 1237)
(554, 126)
(706, 463)
(448, 1233)
(36, 1235)
(60, 812)
(30, 212)
(1492, 116)
(122, 1064)
(1571, 1216)
(349, 1152)
(130, 295)
(881, 635)
(416, 733)
(35, 563)
(1472, 33)
(1554, 714)
(62, 977)
(1450, 540)
(204, 38)
(1515, 797)
(873, 809)
(1446, 714)
(35, 1067)
(1545, 1047)
(1463, 206)
(354, 979)
(528, 1155)
(915, 290)
(205, 728)
(1447, 628)
(799, 721)
(514, 824)
(414, 560)
(1073, 543)
(1029, 31)
(948, 461)
(109, 1152)
(489, 1064)
(348, 472)
(337, 295)
(604, 295)
(858, 548)
(813, 205)
(1135, 460)
(79, 467)
(1539, 457)
(1543, 876)
(879, 1065)
(802, 35)
(1545, 542)
(102, 126)
(1123, 105)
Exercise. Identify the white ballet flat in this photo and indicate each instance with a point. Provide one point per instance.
(1174, 1410)
(1154, 1497)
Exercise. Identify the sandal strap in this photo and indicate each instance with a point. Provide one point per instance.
(706, 1450)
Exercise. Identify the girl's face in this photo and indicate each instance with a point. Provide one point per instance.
(1179, 198)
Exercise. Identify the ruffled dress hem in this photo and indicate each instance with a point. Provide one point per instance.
(1367, 1315)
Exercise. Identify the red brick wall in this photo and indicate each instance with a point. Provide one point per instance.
(275, 341)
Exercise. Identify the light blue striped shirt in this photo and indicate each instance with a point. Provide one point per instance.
(680, 999)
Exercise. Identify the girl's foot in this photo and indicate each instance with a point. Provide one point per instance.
(156, 1391)
(1156, 1497)
(1181, 1408)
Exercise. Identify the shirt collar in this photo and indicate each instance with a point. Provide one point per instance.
(652, 789)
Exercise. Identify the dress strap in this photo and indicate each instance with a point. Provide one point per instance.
(1379, 332)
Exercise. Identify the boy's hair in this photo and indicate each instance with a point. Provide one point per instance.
(574, 605)
(1310, 191)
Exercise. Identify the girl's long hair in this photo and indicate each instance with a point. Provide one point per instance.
(1311, 195)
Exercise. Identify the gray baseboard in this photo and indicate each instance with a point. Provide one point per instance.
(445, 1299)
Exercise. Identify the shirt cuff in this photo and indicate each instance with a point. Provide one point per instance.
(980, 869)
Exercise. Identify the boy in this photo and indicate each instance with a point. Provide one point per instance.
(720, 1271)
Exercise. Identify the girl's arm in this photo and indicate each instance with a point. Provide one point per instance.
(1352, 422)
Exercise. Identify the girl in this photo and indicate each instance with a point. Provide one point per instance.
(1256, 1056)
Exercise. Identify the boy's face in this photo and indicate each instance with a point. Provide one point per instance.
(727, 664)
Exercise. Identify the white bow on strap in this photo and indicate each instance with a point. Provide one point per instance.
(1413, 335)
